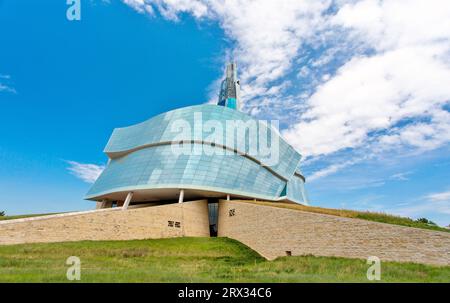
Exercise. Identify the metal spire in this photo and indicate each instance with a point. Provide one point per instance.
(230, 89)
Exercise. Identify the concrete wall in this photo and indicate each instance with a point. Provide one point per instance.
(110, 224)
(272, 231)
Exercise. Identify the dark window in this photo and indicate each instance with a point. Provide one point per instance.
(213, 208)
(170, 223)
(177, 224)
(232, 212)
(288, 253)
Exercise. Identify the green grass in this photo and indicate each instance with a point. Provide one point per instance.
(191, 260)
(24, 216)
(364, 215)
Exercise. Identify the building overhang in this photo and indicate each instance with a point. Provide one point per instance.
(171, 192)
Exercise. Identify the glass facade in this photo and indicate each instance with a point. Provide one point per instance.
(295, 190)
(142, 157)
(161, 129)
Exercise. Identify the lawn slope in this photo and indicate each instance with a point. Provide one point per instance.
(190, 260)
(4, 218)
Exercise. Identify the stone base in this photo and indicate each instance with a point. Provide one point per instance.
(275, 232)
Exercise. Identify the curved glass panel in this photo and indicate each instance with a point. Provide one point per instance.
(163, 128)
(159, 167)
(296, 190)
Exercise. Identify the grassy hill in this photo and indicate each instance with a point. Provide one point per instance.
(191, 260)
(3, 218)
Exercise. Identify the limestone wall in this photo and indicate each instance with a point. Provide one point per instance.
(111, 224)
(273, 231)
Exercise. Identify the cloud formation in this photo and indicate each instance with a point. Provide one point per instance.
(430, 205)
(440, 197)
(86, 172)
(267, 34)
(401, 176)
(361, 77)
(4, 87)
(396, 87)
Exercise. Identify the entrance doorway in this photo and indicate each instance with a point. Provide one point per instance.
(213, 212)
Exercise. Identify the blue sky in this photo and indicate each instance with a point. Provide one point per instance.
(361, 89)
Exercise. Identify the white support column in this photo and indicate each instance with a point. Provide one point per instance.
(181, 197)
(127, 201)
(228, 197)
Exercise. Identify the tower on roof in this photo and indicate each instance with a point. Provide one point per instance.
(230, 89)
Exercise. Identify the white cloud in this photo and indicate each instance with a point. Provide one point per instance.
(268, 34)
(391, 96)
(436, 205)
(6, 87)
(379, 83)
(401, 176)
(375, 93)
(392, 24)
(304, 72)
(140, 6)
(86, 172)
(331, 169)
(440, 197)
